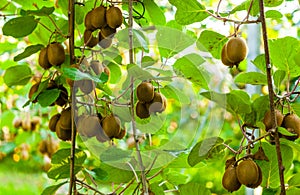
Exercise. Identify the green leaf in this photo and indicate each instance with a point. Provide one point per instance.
(62, 156)
(75, 74)
(193, 188)
(274, 14)
(12, 27)
(155, 13)
(28, 51)
(48, 97)
(140, 41)
(212, 41)
(283, 131)
(204, 150)
(156, 188)
(283, 52)
(175, 178)
(278, 77)
(189, 67)
(270, 169)
(236, 102)
(260, 62)
(189, 12)
(272, 3)
(171, 92)
(115, 154)
(254, 78)
(17, 75)
(44, 11)
(50, 190)
(147, 61)
(172, 41)
(62, 171)
(295, 180)
(245, 6)
(138, 73)
(115, 73)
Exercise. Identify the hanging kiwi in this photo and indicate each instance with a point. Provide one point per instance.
(63, 134)
(43, 59)
(111, 126)
(237, 50)
(230, 181)
(224, 57)
(88, 21)
(34, 88)
(292, 123)
(267, 119)
(86, 85)
(66, 119)
(97, 67)
(108, 32)
(158, 103)
(88, 126)
(98, 19)
(121, 135)
(53, 121)
(56, 54)
(141, 110)
(62, 99)
(145, 92)
(104, 42)
(114, 17)
(248, 173)
(89, 39)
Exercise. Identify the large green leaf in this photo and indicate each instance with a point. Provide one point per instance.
(75, 74)
(254, 78)
(236, 102)
(62, 156)
(260, 62)
(283, 52)
(295, 180)
(48, 97)
(212, 41)
(51, 190)
(189, 12)
(172, 41)
(194, 189)
(28, 52)
(172, 92)
(205, 149)
(278, 77)
(156, 14)
(189, 66)
(12, 27)
(115, 154)
(17, 75)
(115, 73)
(62, 171)
(44, 11)
(138, 73)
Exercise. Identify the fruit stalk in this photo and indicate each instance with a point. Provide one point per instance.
(130, 39)
(271, 96)
(71, 19)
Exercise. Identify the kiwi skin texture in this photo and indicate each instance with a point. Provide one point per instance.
(248, 173)
(292, 123)
(56, 54)
(145, 92)
(98, 19)
(236, 49)
(88, 21)
(43, 59)
(34, 88)
(230, 181)
(141, 110)
(114, 17)
(53, 121)
(267, 119)
(224, 57)
(89, 39)
(111, 126)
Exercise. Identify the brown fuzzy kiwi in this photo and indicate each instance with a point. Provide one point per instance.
(97, 67)
(224, 57)
(17, 123)
(114, 18)
(56, 54)
(101, 137)
(26, 124)
(98, 19)
(267, 119)
(43, 59)
(63, 134)
(53, 121)
(66, 118)
(104, 42)
(121, 134)
(62, 99)
(108, 32)
(237, 50)
(292, 123)
(86, 85)
(145, 92)
(255, 185)
(88, 21)
(34, 88)
(89, 126)
(141, 110)
(89, 39)
(230, 181)
(111, 126)
(35, 121)
(43, 147)
(248, 173)
(158, 104)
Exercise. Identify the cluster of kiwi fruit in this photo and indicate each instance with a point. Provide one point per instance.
(107, 20)
(62, 99)
(103, 128)
(86, 86)
(27, 124)
(234, 51)
(61, 123)
(52, 55)
(48, 146)
(149, 101)
(246, 172)
(290, 121)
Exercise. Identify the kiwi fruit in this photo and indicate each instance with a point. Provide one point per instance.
(111, 126)
(66, 118)
(108, 32)
(43, 147)
(230, 181)
(56, 54)
(292, 123)
(255, 185)
(267, 119)
(224, 57)
(89, 39)
(141, 110)
(248, 173)
(106, 71)
(101, 137)
(34, 88)
(121, 134)
(63, 134)
(86, 85)
(35, 121)
(17, 123)
(96, 67)
(158, 104)
(104, 42)
(145, 92)
(63, 96)
(88, 21)
(236, 50)
(26, 124)
(52, 122)
(43, 59)
(114, 18)
(98, 19)
(89, 126)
